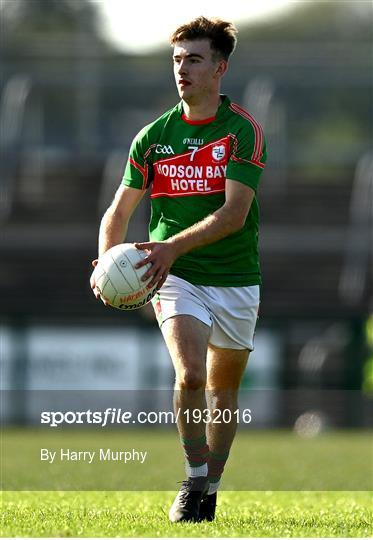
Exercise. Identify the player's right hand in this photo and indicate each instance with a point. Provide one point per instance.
(92, 282)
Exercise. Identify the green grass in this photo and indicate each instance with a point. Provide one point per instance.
(259, 461)
(136, 514)
(277, 485)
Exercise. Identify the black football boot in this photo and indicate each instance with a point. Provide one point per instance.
(187, 502)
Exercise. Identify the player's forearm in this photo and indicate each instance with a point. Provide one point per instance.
(113, 230)
(214, 227)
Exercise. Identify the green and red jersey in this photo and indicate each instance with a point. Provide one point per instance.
(186, 164)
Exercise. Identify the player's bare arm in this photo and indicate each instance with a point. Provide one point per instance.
(228, 219)
(114, 224)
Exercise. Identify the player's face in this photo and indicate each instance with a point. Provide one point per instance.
(197, 72)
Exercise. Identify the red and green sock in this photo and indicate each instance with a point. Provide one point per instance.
(215, 463)
(196, 453)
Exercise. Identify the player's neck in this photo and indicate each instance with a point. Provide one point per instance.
(203, 109)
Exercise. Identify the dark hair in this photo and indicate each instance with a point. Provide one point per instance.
(222, 34)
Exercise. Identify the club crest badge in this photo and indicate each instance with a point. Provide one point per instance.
(218, 152)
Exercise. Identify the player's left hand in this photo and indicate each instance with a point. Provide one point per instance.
(161, 256)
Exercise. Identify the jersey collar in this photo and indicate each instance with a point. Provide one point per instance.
(225, 102)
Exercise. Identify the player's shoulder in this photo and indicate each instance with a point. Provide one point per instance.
(152, 131)
(243, 120)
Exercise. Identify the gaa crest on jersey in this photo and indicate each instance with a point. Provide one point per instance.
(164, 149)
(218, 152)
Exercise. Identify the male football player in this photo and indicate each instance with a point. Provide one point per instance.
(202, 161)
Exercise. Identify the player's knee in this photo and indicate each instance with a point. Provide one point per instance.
(222, 398)
(191, 380)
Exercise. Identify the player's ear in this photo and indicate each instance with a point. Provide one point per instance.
(222, 67)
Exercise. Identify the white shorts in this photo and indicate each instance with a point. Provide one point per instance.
(231, 312)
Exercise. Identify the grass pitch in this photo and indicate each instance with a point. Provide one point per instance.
(259, 461)
(336, 465)
(137, 514)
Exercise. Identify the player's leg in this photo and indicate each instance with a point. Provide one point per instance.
(187, 338)
(225, 368)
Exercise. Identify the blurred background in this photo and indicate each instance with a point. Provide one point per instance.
(78, 80)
